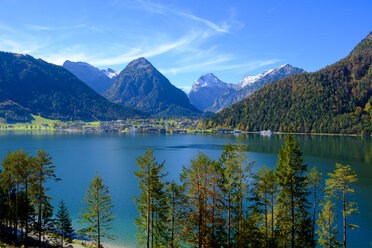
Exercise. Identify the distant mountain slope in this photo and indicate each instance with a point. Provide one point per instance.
(336, 99)
(29, 85)
(207, 89)
(140, 85)
(92, 76)
(110, 73)
(250, 84)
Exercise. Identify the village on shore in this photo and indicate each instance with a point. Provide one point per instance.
(181, 126)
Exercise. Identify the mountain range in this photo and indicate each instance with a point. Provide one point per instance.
(335, 99)
(33, 86)
(207, 89)
(141, 86)
(99, 80)
(209, 93)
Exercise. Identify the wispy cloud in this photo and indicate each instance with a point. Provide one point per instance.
(38, 28)
(275, 7)
(148, 51)
(158, 8)
(11, 44)
(224, 28)
(219, 64)
(50, 28)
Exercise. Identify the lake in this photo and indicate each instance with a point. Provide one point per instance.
(78, 157)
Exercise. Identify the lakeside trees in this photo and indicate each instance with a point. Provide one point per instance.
(23, 183)
(220, 202)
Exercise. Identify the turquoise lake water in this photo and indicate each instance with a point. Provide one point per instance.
(78, 157)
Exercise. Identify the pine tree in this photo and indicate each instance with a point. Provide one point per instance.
(97, 212)
(314, 179)
(17, 173)
(159, 207)
(234, 173)
(292, 193)
(327, 229)
(175, 202)
(64, 223)
(43, 171)
(196, 182)
(264, 189)
(338, 187)
(151, 203)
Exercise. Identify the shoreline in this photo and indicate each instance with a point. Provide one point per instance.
(170, 133)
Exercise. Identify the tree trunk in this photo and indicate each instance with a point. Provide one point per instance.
(228, 220)
(26, 238)
(172, 234)
(16, 215)
(240, 218)
(62, 239)
(344, 215)
(293, 218)
(200, 224)
(272, 217)
(148, 209)
(313, 227)
(266, 231)
(213, 212)
(98, 229)
(152, 224)
(329, 230)
(40, 205)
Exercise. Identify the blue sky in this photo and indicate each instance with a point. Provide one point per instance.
(185, 39)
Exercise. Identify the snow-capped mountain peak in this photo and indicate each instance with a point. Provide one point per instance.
(209, 80)
(249, 80)
(110, 73)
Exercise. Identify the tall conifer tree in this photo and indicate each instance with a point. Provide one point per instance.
(314, 182)
(293, 216)
(64, 223)
(151, 203)
(339, 187)
(327, 229)
(97, 212)
(43, 171)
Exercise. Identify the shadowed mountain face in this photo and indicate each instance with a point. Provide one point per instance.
(92, 76)
(336, 99)
(207, 89)
(140, 85)
(33, 86)
(209, 93)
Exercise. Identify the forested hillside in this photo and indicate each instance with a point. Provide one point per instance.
(33, 86)
(336, 99)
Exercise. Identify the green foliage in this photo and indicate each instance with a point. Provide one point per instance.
(264, 191)
(196, 181)
(97, 212)
(293, 216)
(314, 181)
(23, 183)
(151, 204)
(327, 229)
(176, 200)
(339, 187)
(331, 100)
(43, 171)
(234, 173)
(64, 223)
